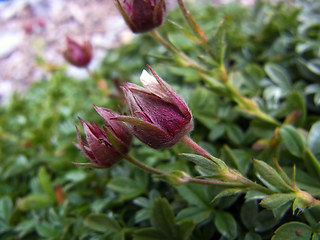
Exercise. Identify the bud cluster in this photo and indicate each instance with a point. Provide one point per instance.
(159, 118)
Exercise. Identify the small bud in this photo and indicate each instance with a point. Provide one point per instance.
(104, 147)
(78, 54)
(142, 15)
(160, 118)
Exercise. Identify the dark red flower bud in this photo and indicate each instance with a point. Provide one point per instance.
(78, 54)
(142, 15)
(160, 118)
(104, 147)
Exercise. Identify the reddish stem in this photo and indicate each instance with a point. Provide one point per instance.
(194, 146)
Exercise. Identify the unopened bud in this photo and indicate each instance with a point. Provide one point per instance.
(142, 15)
(160, 118)
(78, 54)
(104, 147)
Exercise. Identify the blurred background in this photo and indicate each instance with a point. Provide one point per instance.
(33, 31)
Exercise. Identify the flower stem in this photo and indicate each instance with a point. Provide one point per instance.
(231, 176)
(187, 61)
(194, 146)
(144, 166)
(196, 28)
(248, 105)
(188, 179)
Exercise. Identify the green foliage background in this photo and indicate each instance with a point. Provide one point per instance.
(273, 57)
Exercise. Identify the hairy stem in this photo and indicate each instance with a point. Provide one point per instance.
(196, 28)
(187, 61)
(186, 180)
(231, 176)
(194, 146)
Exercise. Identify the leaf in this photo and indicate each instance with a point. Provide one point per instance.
(235, 134)
(293, 231)
(220, 43)
(299, 205)
(47, 230)
(314, 139)
(127, 187)
(279, 212)
(226, 224)
(227, 192)
(6, 209)
(216, 166)
(101, 223)
(230, 158)
(35, 202)
(185, 229)
(162, 217)
(194, 195)
(249, 214)
(292, 139)
(293, 109)
(278, 75)
(269, 175)
(277, 200)
(45, 182)
(252, 236)
(265, 220)
(194, 214)
(148, 234)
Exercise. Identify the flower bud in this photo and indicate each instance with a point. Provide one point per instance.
(104, 147)
(142, 15)
(78, 54)
(160, 118)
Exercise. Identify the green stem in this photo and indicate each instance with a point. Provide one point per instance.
(189, 179)
(311, 159)
(231, 175)
(249, 105)
(196, 28)
(144, 166)
(187, 61)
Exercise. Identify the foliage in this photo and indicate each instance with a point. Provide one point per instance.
(272, 56)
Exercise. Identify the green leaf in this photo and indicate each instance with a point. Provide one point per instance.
(293, 231)
(34, 202)
(314, 139)
(265, 220)
(220, 43)
(216, 166)
(6, 208)
(279, 212)
(249, 213)
(235, 134)
(299, 205)
(226, 224)
(102, 223)
(278, 75)
(227, 192)
(277, 200)
(128, 188)
(293, 140)
(185, 229)
(194, 214)
(148, 234)
(48, 231)
(194, 195)
(230, 158)
(293, 105)
(270, 176)
(45, 182)
(252, 236)
(162, 217)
